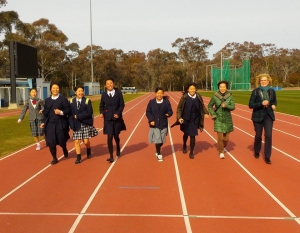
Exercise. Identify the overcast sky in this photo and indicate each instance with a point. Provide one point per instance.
(143, 25)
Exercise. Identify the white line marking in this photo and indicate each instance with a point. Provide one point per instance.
(290, 213)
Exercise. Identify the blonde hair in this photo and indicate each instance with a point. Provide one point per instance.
(260, 76)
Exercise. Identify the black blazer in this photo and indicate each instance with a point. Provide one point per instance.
(112, 105)
(159, 116)
(84, 113)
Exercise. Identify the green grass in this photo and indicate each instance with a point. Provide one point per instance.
(15, 136)
(287, 101)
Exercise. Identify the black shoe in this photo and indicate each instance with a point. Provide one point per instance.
(89, 153)
(54, 161)
(184, 150)
(78, 160)
(110, 160)
(256, 155)
(191, 156)
(268, 161)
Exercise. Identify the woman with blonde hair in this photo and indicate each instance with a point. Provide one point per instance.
(263, 102)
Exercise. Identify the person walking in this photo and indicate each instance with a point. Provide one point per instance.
(190, 115)
(220, 107)
(158, 111)
(55, 122)
(35, 107)
(111, 108)
(81, 122)
(263, 102)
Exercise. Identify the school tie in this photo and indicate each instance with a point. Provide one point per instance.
(78, 104)
(110, 95)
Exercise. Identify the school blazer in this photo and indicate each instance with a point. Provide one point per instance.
(33, 112)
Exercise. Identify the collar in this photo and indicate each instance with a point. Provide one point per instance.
(54, 97)
(193, 97)
(159, 101)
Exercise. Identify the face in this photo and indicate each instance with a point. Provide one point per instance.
(79, 93)
(33, 93)
(109, 85)
(159, 95)
(264, 81)
(222, 88)
(192, 90)
(55, 90)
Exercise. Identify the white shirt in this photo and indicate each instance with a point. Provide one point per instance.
(194, 96)
(112, 92)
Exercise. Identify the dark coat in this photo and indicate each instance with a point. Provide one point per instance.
(222, 116)
(181, 109)
(159, 116)
(84, 113)
(112, 105)
(60, 134)
(259, 111)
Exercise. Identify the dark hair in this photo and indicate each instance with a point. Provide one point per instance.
(223, 81)
(161, 89)
(111, 79)
(188, 86)
(32, 89)
(77, 87)
(54, 83)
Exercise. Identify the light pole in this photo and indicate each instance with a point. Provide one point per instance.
(92, 68)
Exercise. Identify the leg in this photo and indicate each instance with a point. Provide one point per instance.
(110, 148)
(158, 151)
(77, 149)
(192, 145)
(258, 127)
(268, 126)
(37, 141)
(117, 140)
(225, 139)
(87, 144)
(53, 153)
(184, 138)
(220, 143)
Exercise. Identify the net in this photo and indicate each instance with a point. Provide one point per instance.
(237, 77)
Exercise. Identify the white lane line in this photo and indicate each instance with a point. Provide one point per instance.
(273, 127)
(82, 212)
(286, 154)
(152, 215)
(180, 189)
(289, 212)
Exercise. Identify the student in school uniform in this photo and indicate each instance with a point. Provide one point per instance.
(158, 111)
(111, 109)
(35, 107)
(56, 125)
(81, 122)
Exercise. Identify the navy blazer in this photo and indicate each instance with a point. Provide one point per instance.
(159, 116)
(255, 103)
(84, 113)
(112, 105)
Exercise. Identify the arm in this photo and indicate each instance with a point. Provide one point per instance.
(211, 110)
(230, 105)
(170, 111)
(121, 105)
(24, 110)
(149, 113)
(255, 100)
(88, 112)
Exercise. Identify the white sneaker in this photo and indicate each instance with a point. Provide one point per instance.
(159, 158)
(38, 148)
(222, 156)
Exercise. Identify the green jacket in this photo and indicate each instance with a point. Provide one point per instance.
(222, 116)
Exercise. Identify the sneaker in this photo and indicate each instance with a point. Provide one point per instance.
(159, 158)
(222, 156)
(38, 148)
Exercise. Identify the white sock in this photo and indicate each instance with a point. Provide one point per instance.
(38, 144)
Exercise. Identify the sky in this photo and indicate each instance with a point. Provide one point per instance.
(144, 25)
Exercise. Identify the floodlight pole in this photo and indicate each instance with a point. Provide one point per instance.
(221, 66)
(92, 67)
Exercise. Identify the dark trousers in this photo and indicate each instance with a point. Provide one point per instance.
(267, 126)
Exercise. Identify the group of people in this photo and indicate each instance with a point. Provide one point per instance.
(56, 115)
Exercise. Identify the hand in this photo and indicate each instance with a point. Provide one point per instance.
(101, 115)
(152, 123)
(180, 120)
(57, 111)
(75, 116)
(206, 115)
(223, 105)
(116, 116)
(19, 121)
(167, 115)
(42, 125)
(265, 103)
(41, 111)
(273, 107)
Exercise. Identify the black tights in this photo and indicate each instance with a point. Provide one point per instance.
(192, 142)
(110, 143)
(157, 147)
(53, 150)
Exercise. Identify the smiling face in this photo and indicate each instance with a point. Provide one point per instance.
(79, 93)
(33, 93)
(159, 95)
(264, 81)
(109, 84)
(54, 90)
(222, 88)
(192, 90)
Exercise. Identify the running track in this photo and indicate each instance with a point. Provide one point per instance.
(138, 194)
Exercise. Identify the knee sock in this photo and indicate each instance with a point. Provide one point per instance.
(110, 145)
(192, 143)
(157, 147)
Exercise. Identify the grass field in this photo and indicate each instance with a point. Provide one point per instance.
(15, 136)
